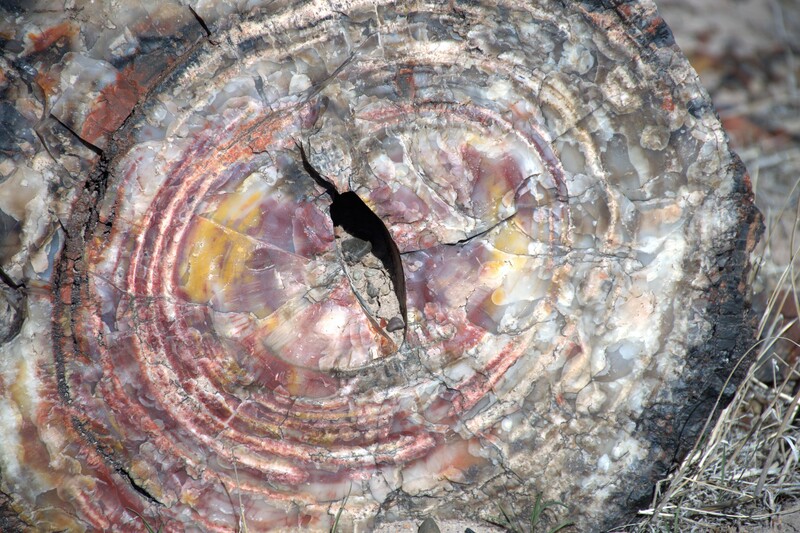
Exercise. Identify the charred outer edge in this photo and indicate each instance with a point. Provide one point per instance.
(702, 394)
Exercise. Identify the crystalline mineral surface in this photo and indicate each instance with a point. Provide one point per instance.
(188, 339)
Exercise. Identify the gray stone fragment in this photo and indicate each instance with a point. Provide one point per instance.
(372, 290)
(11, 315)
(395, 324)
(428, 526)
(354, 249)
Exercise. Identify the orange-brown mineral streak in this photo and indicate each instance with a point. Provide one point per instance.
(110, 109)
(50, 36)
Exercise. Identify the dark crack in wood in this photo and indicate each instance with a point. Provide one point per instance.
(203, 25)
(370, 258)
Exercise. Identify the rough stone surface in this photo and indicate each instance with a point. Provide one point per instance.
(572, 227)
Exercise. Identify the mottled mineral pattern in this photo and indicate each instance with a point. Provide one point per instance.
(190, 339)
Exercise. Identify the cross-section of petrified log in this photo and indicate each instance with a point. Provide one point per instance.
(399, 259)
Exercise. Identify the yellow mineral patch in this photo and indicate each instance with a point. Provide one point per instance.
(146, 475)
(512, 240)
(20, 395)
(498, 296)
(239, 211)
(206, 243)
(295, 383)
(216, 260)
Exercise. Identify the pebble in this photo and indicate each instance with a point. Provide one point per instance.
(428, 526)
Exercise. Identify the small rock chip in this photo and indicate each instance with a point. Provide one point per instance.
(370, 261)
(395, 324)
(372, 290)
(428, 525)
(386, 288)
(354, 249)
(11, 313)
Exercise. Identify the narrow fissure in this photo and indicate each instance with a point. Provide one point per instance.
(138, 488)
(370, 258)
(202, 23)
(93, 147)
(108, 456)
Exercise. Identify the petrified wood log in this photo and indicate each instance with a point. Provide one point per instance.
(400, 259)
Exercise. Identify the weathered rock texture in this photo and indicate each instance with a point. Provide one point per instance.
(185, 342)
